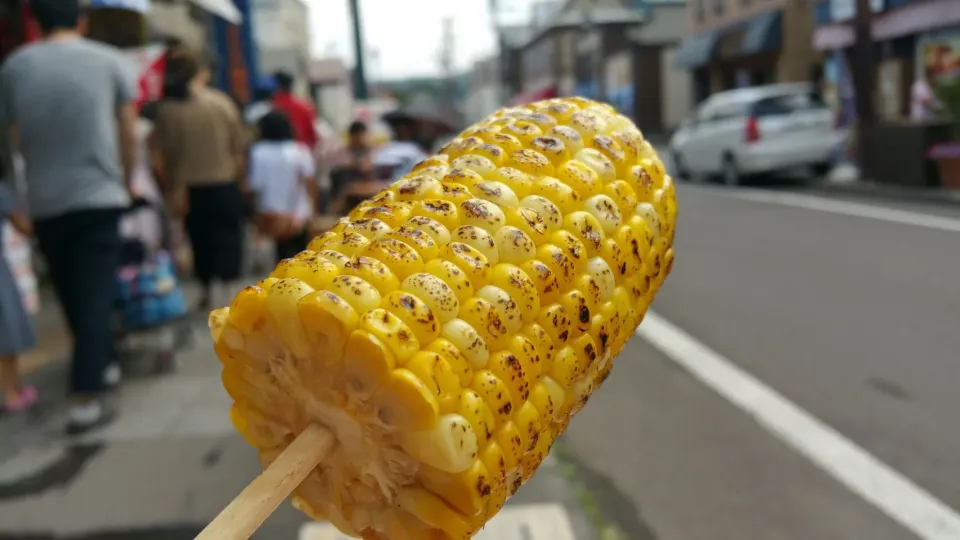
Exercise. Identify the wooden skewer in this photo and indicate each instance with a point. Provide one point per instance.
(244, 515)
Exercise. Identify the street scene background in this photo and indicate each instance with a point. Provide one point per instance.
(797, 378)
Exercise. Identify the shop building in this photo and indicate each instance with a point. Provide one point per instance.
(282, 39)
(739, 43)
(619, 51)
(910, 36)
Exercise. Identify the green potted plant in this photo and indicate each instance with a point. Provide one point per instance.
(947, 154)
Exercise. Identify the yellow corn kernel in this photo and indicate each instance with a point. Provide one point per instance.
(462, 177)
(476, 411)
(391, 213)
(585, 228)
(507, 368)
(506, 307)
(458, 362)
(545, 209)
(435, 293)
(453, 276)
(495, 192)
(315, 272)
(436, 230)
(417, 239)
(527, 221)
(514, 245)
(519, 182)
(466, 491)
(398, 256)
(327, 321)
(437, 373)
(415, 188)
(560, 194)
(442, 211)
(468, 341)
(552, 148)
(340, 260)
(481, 165)
(357, 292)
(375, 273)
(473, 263)
(479, 239)
(392, 331)
(405, 402)
(415, 313)
(281, 303)
(367, 363)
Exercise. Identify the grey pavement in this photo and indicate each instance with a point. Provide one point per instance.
(171, 461)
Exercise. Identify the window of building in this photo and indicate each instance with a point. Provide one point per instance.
(718, 6)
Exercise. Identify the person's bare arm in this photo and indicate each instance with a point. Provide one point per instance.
(21, 223)
(129, 147)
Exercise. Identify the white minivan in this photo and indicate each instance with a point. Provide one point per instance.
(752, 131)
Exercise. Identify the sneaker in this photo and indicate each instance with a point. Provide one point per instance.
(86, 417)
(112, 375)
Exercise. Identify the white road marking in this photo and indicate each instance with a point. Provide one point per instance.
(891, 492)
(845, 208)
(520, 522)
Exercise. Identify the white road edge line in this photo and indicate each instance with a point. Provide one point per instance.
(891, 492)
(830, 206)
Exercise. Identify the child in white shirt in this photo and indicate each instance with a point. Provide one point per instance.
(282, 178)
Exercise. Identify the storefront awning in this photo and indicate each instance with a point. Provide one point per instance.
(833, 37)
(225, 9)
(759, 34)
(764, 33)
(697, 50)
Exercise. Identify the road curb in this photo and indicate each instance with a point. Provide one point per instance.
(880, 191)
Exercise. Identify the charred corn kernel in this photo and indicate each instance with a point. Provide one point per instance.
(519, 182)
(495, 192)
(481, 165)
(420, 241)
(472, 262)
(453, 276)
(462, 177)
(478, 413)
(398, 256)
(392, 331)
(357, 292)
(435, 293)
(485, 318)
(446, 330)
(528, 222)
(506, 366)
(436, 230)
(547, 211)
(468, 341)
(338, 259)
(585, 228)
(391, 213)
(458, 362)
(375, 273)
(415, 188)
(562, 195)
(514, 245)
(440, 210)
(315, 272)
(479, 239)
(505, 305)
(552, 148)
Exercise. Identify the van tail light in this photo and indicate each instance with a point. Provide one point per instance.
(751, 130)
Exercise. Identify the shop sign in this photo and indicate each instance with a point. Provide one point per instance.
(841, 10)
(140, 6)
(941, 56)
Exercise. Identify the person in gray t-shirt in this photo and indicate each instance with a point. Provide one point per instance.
(67, 103)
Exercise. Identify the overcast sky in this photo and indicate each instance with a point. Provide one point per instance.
(404, 36)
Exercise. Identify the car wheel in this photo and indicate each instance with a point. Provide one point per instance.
(822, 169)
(729, 172)
(679, 167)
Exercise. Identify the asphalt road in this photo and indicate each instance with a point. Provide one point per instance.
(849, 311)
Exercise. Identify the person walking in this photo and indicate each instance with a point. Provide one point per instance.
(301, 114)
(198, 143)
(68, 103)
(281, 177)
(16, 328)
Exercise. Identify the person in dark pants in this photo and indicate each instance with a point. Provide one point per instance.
(282, 178)
(198, 143)
(68, 104)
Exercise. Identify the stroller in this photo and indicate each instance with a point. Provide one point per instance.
(150, 310)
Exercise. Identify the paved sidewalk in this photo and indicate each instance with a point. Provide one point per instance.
(172, 461)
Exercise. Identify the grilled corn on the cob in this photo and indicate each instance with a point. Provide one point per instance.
(447, 330)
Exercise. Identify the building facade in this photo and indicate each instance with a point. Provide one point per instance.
(738, 43)
(619, 51)
(282, 37)
(913, 38)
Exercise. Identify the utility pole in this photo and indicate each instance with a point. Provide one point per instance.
(360, 90)
(864, 73)
(447, 61)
